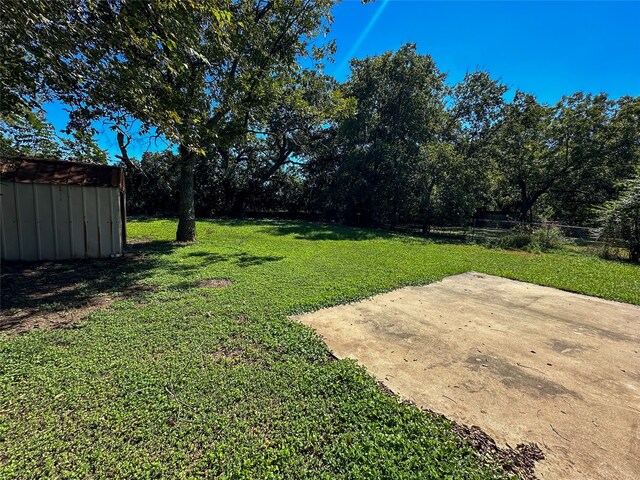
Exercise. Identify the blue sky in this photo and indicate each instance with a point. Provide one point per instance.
(546, 48)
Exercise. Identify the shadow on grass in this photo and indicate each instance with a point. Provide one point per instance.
(318, 231)
(241, 259)
(35, 289)
(304, 230)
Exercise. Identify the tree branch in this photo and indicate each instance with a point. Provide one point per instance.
(124, 155)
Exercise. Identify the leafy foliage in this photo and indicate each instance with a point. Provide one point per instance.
(223, 82)
(620, 220)
(221, 189)
(400, 146)
(532, 239)
(38, 51)
(394, 161)
(200, 73)
(30, 134)
(571, 154)
(197, 72)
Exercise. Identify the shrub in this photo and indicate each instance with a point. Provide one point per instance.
(620, 221)
(539, 239)
(548, 237)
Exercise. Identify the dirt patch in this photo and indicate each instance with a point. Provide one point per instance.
(139, 241)
(214, 283)
(58, 294)
(526, 364)
(14, 322)
(230, 354)
(250, 354)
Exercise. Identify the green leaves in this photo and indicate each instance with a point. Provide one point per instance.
(568, 157)
(620, 221)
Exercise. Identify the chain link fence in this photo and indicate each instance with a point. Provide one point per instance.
(489, 229)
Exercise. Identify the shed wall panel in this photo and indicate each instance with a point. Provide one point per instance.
(104, 217)
(104, 209)
(49, 222)
(26, 215)
(60, 200)
(116, 225)
(10, 237)
(92, 235)
(45, 222)
(76, 215)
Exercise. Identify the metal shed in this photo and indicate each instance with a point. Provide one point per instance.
(54, 210)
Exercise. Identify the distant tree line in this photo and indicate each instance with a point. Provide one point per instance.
(415, 150)
(253, 131)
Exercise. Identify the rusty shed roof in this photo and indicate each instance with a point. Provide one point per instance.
(59, 172)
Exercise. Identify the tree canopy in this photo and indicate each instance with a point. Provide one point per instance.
(196, 71)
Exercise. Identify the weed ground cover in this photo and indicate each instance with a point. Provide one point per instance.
(198, 372)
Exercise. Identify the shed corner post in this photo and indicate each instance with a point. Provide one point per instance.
(123, 215)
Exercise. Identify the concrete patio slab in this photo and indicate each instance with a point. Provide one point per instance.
(523, 362)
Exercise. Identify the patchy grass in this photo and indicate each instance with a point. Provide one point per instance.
(182, 381)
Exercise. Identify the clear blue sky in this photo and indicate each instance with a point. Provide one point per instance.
(546, 48)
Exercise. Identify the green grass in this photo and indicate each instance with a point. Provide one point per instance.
(177, 381)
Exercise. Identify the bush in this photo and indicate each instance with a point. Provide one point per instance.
(539, 239)
(548, 238)
(517, 238)
(620, 221)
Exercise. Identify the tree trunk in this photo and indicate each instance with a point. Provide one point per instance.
(525, 202)
(426, 209)
(124, 155)
(186, 211)
(525, 207)
(634, 241)
(238, 205)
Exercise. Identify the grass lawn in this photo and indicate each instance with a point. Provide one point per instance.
(179, 381)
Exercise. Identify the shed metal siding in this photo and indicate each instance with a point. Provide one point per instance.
(53, 222)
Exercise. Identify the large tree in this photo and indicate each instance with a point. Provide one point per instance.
(190, 71)
(601, 137)
(400, 109)
(572, 154)
(415, 150)
(476, 106)
(526, 166)
(282, 134)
